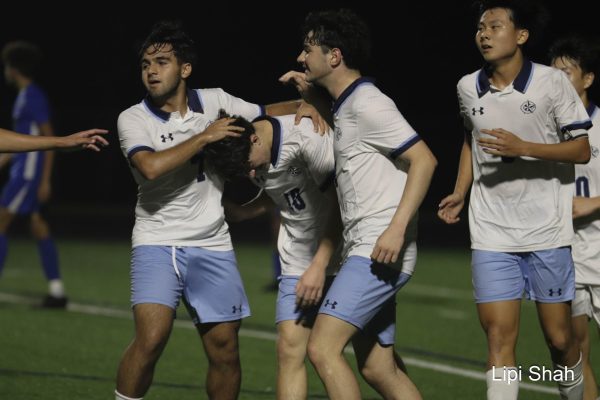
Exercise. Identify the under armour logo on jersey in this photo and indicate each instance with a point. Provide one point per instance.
(528, 107)
(477, 111)
(164, 138)
(330, 304)
(558, 292)
(237, 309)
(294, 171)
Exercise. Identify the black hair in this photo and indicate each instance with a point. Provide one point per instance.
(166, 33)
(342, 29)
(525, 14)
(229, 157)
(581, 49)
(23, 56)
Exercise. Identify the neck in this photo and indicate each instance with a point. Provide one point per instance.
(585, 99)
(337, 83)
(264, 130)
(175, 101)
(505, 71)
(22, 82)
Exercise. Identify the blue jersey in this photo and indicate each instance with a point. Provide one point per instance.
(29, 112)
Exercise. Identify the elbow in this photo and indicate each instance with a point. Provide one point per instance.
(148, 171)
(585, 156)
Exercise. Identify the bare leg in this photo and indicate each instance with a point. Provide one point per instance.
(581, 333)
(378, 365)
(500, 322)
(224, 376)
(153, 323)
(292, 340)
(325, 350)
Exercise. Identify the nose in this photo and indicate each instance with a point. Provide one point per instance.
(301, 57)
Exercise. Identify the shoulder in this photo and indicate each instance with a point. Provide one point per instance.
(134, 113)
(369, 97)
(468, 81)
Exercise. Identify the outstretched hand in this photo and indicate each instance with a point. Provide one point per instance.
(89, 140)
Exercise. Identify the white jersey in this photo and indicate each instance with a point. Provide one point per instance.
(586, 249)
(301, 168)
(182, 207)
(522, 204)
(370, 134)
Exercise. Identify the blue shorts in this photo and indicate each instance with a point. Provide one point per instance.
(208, 281)
(363, 294)
(547, 276)
(286, 308)
(20, 196)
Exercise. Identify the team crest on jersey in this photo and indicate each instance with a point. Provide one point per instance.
(338, 133)
(594, 151)
(528, 107)
(294, 171)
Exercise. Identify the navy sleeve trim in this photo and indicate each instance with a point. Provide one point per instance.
(405, 146)
(138, 149)
(577, 125)
(263, 110)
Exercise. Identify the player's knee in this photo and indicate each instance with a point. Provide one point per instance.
(372, 373)
(317, 353)
(152, 342)
(500, 339)
(290, 349)
(560, 341)
(39, 227)
(222, 349)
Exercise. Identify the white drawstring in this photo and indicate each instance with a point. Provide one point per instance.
(173, 253)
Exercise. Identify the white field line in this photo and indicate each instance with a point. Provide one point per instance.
(264, 335)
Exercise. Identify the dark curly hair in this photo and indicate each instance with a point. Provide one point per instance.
(229, 157)
(525, 14)
(584, 51)
(166, 33)
(23, 56)
(342, 29)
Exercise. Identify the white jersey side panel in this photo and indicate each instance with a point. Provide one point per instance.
(182, 207)
(586, 249)
(301, 167)
(521, 204)
(369, 135)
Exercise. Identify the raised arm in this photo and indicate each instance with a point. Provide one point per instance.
(12, 142)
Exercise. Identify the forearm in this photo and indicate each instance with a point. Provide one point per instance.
(464, 178)
(283, 108)
(153, 165)
(572, 151)
(419, 177)
(12, 142)
(333, 232)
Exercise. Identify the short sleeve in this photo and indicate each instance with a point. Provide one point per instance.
(569, 112)
(133, 133)
(383, 127)
(236, 106)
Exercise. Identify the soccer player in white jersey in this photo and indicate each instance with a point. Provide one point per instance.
(294, 167)
(578, 57)
(383, 170)
(181, 243)
(525, 128)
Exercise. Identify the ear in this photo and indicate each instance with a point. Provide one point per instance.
(336, 57)
(186, 70)
(588, 80)
(254, 139)
(522, 36)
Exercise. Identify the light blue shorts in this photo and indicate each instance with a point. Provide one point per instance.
(208, 281)
(286, 308)
(363, 294)
(546, 276)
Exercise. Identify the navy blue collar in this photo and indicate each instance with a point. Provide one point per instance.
(193, 101)
(521, 82)
(590, 109)
(349, 90)
(276, 143)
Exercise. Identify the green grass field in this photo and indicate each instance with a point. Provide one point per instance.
(48, 354)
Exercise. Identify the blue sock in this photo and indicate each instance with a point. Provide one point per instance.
(276, 264)
(3, 251)
(49, 257)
